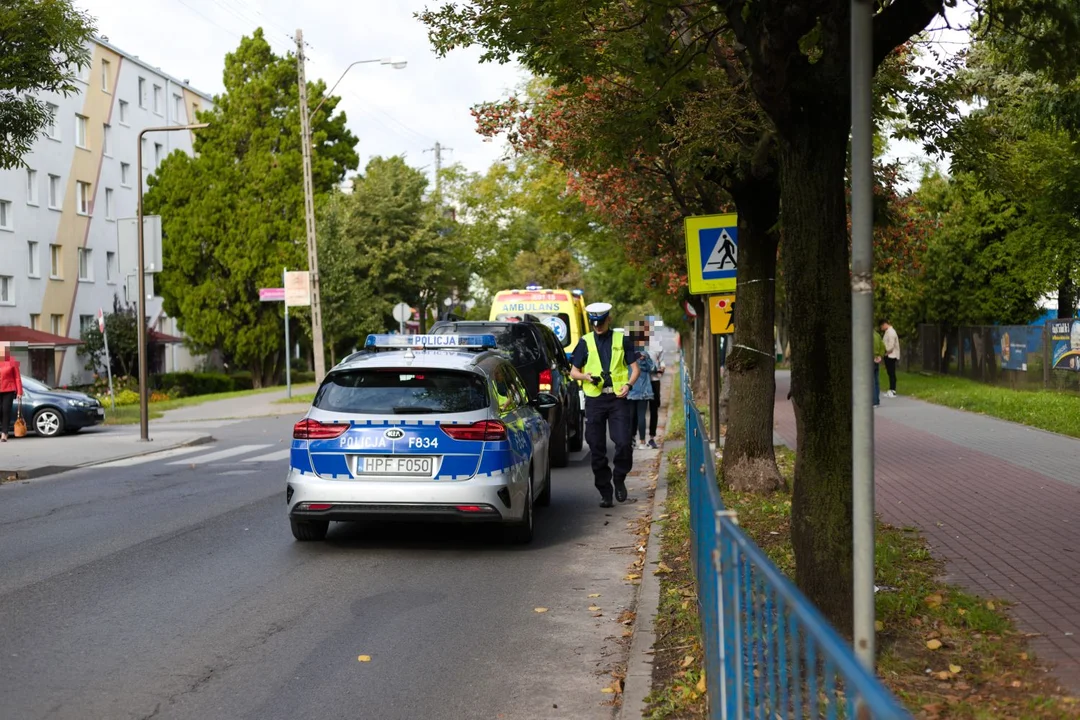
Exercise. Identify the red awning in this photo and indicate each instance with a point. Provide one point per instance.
(34, 339)
(164, 338)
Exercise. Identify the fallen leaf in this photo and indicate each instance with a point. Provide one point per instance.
(1016, 683)
(685, 604)
(943, 675)
(878, 625)
(608, 690)
(933, 644)
(364, 658)
(954, 669)
(1023, 656)
(961, 611)
(701, 683)
(627, 633)
(990, 605)
(633, 576)
(687, 661)
(594, 608)
(594, 595)
(540, 610)
(933, 601)
(662, 569)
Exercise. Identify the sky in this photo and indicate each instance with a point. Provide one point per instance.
(392, 112)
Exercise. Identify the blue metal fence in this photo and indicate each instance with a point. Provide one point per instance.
(769, 653)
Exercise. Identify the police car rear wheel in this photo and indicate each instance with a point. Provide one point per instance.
(305, 530)
(521, 533)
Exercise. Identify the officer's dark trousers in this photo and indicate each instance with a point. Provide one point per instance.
(603, 415)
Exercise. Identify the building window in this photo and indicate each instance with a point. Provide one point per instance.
(125, 174)
(106, 139)
(32, 268)
(83, 197)
(109, 204)
(56, 266)
(142, 92)
(53, 128)
(35, 321)
(86, 265)
(56, 324)
(7, 290)
(123, 112)
(31, 187)
(82, 72)
(105, 75)
(178, 108)
(157, 154)
(80, 131)
(110, 266)
(6, 220)
(157, 99)
(194, 111)
(54, 192)
(86, 322)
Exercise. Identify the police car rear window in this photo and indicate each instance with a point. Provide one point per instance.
(408, 391)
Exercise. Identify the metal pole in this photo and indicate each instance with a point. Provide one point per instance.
(288, 347)
(144, 406)
(309, 216)
(108, 362)
(862, 328)
(714, 390)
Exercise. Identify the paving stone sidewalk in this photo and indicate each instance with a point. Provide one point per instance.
(999, 502)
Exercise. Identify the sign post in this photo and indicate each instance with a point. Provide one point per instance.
(297, 294)
(402, 312)
(108, 362)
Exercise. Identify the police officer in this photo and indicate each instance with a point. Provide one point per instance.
(606, 364)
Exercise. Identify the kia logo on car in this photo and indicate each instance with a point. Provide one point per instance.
(394, 433)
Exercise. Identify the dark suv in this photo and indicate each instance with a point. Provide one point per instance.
(542, 363)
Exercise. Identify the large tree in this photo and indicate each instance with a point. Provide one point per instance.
(232, 214)
(43, 44)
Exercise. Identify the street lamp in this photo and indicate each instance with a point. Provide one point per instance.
(396, 63)
(144, 406)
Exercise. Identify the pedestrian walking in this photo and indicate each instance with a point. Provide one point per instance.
(641, 394)
(656, 352)
(892, 354)
(11, 388)
(879, 353)
(606, 364)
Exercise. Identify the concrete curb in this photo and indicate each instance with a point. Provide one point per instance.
(45, 470)
(639, 664)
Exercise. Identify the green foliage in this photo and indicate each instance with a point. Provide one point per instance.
(122, 331)
(127, 397)
(185, 384)
(42, 43)
(233, 215)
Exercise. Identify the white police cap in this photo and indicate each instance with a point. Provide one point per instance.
(598, 308)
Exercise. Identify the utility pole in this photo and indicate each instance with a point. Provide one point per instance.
(438, 171)
(309, 216)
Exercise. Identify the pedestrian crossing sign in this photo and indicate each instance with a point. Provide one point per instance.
(712, 252)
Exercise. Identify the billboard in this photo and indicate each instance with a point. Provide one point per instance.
(1065, 344)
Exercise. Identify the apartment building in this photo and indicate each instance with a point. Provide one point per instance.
(58, 215)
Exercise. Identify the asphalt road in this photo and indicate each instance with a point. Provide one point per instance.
(172, 588)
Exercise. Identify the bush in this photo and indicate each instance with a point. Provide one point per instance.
(242, 380)
(127, 397)
(158, 396)
(183, 384)
(303, 377)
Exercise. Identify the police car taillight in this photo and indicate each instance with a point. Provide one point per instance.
(484, 430)
(308, 429)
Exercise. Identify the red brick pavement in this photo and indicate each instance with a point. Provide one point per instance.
(1004, 531)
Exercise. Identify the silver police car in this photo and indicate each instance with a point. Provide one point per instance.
(421, 427)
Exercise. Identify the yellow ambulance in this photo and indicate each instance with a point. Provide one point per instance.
(561, 310)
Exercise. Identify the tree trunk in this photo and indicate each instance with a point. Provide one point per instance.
(749, 462)
(817, 278)
(1066, 297)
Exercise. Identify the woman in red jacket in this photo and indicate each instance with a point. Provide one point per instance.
(10, 387)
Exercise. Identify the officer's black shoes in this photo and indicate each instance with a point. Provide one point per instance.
(605, 502)
(620, 491)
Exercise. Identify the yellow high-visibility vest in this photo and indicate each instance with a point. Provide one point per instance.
(620, 373)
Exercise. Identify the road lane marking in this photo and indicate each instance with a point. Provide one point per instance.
(151, 457)
(220, 455)
(270, 457)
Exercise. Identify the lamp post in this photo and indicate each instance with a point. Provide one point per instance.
(309, 194)
(144, 406)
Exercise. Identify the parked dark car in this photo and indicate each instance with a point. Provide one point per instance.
(541, 361)
(48, 411)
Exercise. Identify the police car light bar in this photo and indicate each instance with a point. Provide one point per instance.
(431, 341)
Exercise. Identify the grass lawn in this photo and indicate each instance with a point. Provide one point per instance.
(1055, 411)
(304, 398)
(129, 414)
